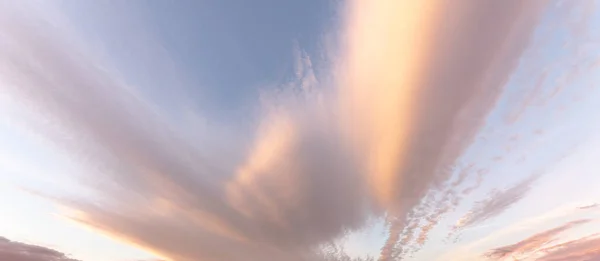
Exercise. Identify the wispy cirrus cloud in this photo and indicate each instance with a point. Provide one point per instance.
(532, 244)
(582, 249)
(497, 202)
(547, 229)
(549, 245)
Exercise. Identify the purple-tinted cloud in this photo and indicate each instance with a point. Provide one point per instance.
(17, 251)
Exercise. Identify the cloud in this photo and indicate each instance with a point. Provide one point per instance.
(17, 251)
(542, 79)
(414, 232)
(595, 205)
(415, 112)
(582, 249)
(408, 104)
(319, 163)
(533, 243)
(529, 98)
(554, 218)
(278, 203)
(497, 202)
(500, 200)
(335, 252)
(548, 245)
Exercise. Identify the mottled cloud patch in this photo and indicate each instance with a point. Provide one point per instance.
(17, 251)
(413, 232)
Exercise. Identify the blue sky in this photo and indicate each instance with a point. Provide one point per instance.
(182, 130)
(221, 52)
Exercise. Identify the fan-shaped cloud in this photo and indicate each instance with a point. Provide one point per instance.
(320, 162)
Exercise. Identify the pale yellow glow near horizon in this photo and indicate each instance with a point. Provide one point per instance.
(83, 221)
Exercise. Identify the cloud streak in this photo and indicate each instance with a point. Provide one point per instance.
(532, 244)
(446, 105)
(496, 203)
(583, 249)
(407, 104)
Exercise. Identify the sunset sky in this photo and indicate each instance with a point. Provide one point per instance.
(283, 130)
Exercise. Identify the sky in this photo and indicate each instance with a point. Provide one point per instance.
(299, 130)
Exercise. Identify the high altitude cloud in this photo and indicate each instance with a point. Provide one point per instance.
(551, 232)
(278, 204)
(549, 246)
(496, 203)
(411, 90)
(408, 103)
(582, 249)
(532, 244)
(17, 251)
(414, 102)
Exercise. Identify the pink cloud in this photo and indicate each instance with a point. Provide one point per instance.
(533, 243)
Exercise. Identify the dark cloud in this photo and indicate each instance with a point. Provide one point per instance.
(17, 251)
